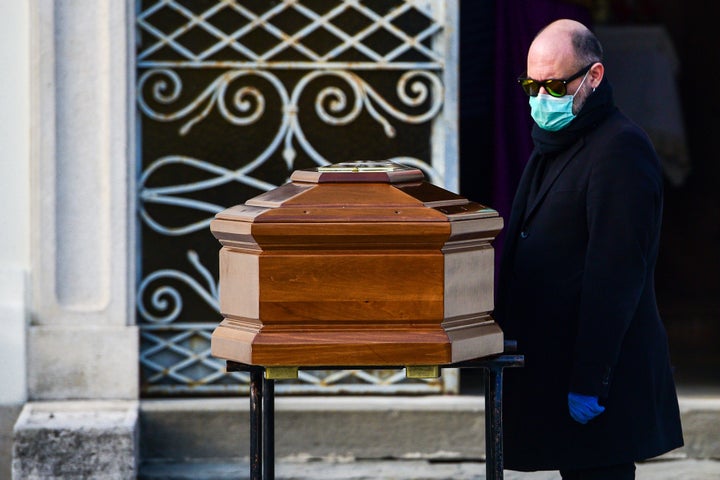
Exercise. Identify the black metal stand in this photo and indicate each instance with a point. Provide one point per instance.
(262, 411)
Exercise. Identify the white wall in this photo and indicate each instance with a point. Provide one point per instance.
(14, 196)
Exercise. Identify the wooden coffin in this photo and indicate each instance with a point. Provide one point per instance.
(356, 264)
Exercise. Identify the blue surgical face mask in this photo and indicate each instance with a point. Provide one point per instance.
(553, 113)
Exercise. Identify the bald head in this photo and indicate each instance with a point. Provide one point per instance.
(564, 46)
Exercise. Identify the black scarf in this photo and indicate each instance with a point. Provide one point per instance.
(598, 106)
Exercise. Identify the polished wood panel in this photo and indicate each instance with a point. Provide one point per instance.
(240, 282)
(320, 346)
(353, 195)
(351, 236)
(337, 287)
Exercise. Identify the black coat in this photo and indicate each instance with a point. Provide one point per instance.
(576, 290)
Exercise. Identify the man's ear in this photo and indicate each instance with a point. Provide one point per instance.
(596, 73)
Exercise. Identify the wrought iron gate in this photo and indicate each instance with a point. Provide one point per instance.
(234, 95)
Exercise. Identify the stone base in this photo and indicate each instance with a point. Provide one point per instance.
(434, 427)
(81, 439)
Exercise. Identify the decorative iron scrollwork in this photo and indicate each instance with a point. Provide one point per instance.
(166, 300)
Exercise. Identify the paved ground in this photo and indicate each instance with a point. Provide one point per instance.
(411, 470)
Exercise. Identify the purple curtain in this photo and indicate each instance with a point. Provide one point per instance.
(516, 24)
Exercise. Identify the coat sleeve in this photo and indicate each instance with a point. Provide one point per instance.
(624, 209)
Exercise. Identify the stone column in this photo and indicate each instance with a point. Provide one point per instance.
(82, 342)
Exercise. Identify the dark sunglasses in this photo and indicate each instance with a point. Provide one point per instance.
(553, 86)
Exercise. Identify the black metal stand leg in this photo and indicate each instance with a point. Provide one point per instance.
(493, 423)
(256, 423)
(268, 427)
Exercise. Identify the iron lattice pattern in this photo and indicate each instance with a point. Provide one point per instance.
(274, 34)
(234, 95)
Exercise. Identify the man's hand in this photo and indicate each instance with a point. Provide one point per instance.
(584, 408)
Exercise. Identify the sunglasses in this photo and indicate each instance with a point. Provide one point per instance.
(553, 86)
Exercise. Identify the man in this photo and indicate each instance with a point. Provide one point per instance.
(576, 284)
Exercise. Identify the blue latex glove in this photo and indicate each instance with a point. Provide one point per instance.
(584, 408)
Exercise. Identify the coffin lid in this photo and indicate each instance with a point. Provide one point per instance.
(377, 191)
